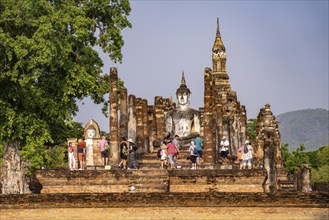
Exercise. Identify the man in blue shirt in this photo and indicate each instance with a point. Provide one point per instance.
(199, 143)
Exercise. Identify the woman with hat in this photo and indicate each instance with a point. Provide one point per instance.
(132, 154)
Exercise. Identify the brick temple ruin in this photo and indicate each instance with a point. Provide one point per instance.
(214, 186)
(222, 115)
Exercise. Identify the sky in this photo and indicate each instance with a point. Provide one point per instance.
(277, 53)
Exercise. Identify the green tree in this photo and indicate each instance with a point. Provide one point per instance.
(319, 160)
(295, 159)
(48, 61)
(252, 129)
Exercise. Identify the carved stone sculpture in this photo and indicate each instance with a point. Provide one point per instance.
(183, 121)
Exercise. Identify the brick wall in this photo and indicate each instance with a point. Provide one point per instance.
(111, 181)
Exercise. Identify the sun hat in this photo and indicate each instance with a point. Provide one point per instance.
(130, 140)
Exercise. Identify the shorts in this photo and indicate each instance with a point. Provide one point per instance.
(200, 153)
(171, 158)
(223, 153)
(81, 156)
(249, 161)
(193, 158)
(105, 154)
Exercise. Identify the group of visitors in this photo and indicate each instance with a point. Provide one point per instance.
(196, 151)
(81, 148)
(169, 150)
(128, 152)
(245, 155)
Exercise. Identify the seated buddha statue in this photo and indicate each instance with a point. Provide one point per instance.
(183, 121)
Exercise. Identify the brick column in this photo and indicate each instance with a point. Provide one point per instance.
(114, 149)
(159, 116)
(132, 123)
(208, 143)
(139, 125)
(146, 145)
(151, 126)
(123, 113)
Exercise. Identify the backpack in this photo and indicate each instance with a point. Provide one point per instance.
(195, 150)
(159, 152)
(134, 146)
(245, 149)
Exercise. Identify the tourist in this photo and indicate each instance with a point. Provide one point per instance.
(239, 157)
(103, 144)
(132, 154)
(81, 153)
(123, 153)
(199, 144)
(171, 153)
(224, 148)
(71, 156)
(193, 154)
(176, 143)
(164, 155)
(247, 155)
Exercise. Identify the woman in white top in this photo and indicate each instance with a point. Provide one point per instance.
(247, 155)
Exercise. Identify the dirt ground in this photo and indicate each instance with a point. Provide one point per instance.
(189, 213)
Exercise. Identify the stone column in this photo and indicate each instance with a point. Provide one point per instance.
(114, 149)
(219, 129)
(159, 116)
(140, 126)
(13, 171)
(303, 178)
(132, 123)
(208, 118)
(145, 127)
(151, 126)
(123, 113)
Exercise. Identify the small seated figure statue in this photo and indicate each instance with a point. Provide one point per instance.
(183, 121)
(91, 134)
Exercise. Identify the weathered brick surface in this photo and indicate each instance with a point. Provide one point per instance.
(145, 213)
(136, 199)
(107, 181)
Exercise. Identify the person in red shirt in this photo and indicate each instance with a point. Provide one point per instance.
(172, 150)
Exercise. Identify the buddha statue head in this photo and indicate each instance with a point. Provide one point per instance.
(91, 131)
(183, 94)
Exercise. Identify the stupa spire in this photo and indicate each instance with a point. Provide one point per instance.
(183, 79)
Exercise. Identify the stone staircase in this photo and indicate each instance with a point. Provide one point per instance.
(148, 181)
(148, 161)
(286, 186)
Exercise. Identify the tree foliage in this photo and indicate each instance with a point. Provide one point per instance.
(319, 160)
(252, 129)
(295, 159)
(48, 61)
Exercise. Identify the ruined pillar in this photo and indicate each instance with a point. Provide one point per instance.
(151, 126)
(132, 123)
(139, 125)
(303, 178)
(13, 171)
(159, 116)
(114, 148)
(123, 113)
(146, 138)
(268, 134)
(208, 143)
(219, 129)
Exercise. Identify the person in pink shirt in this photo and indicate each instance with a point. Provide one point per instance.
(104, 152)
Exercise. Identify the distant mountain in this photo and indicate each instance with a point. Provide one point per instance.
(309, 127)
